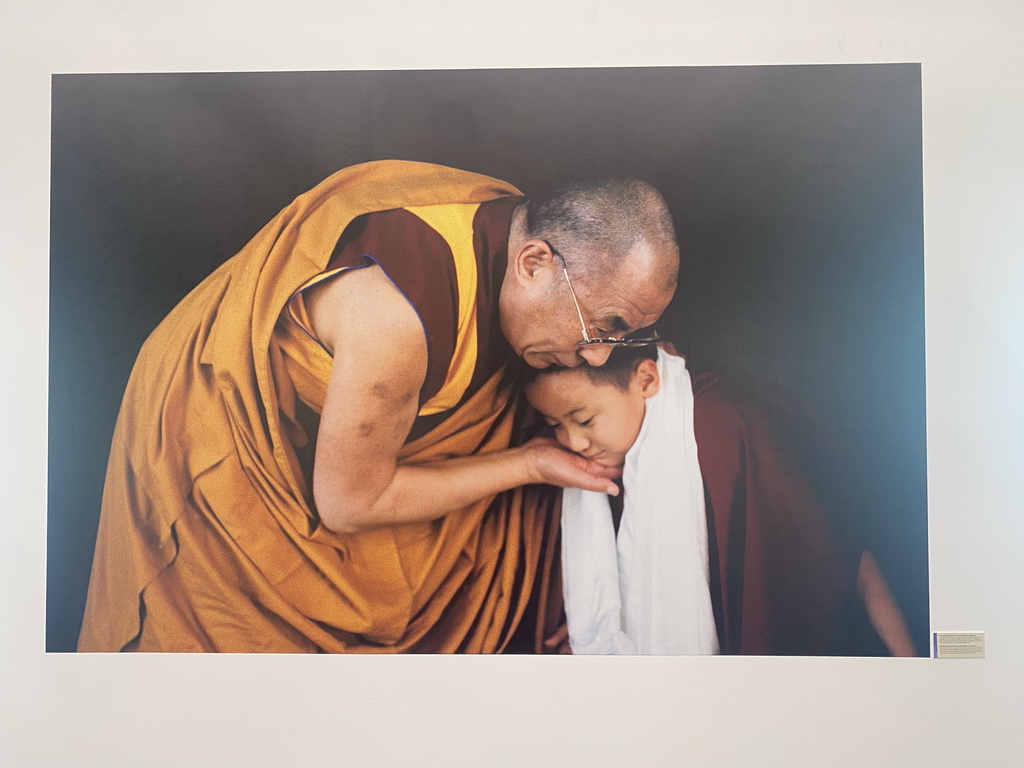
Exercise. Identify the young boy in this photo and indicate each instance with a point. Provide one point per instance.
(719, 543)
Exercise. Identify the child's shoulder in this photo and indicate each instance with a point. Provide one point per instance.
(724, 403)
(737, 408)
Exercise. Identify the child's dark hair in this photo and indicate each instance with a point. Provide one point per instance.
(617, 371)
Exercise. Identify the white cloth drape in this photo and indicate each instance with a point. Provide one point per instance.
(645, 592)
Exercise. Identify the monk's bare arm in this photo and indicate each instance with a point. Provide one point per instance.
(380, 362)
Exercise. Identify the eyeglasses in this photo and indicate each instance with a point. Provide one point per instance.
(608, 341)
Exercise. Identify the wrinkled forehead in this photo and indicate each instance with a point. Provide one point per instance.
(627, 300)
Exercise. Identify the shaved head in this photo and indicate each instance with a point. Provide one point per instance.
(616, 239)
(597, 224)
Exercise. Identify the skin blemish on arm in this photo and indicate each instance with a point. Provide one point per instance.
(383, 390)
(366, 429)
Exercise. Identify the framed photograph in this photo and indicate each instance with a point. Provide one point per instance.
(845, 184)
(796, 193)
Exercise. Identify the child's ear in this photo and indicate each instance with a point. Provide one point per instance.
(647, 378)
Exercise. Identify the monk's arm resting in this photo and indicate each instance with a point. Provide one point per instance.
(380, 362)
(883, 612)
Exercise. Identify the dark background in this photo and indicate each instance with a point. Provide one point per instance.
(796, 192)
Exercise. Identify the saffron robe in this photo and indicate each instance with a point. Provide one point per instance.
(208, 540)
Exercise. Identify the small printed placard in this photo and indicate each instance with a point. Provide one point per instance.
(959, 645)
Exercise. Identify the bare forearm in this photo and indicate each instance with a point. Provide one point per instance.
(883, 612)
(420, 492)
(408, 493)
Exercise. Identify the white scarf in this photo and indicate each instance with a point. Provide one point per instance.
(647, 592)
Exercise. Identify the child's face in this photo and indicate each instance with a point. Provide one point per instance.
(597, 420)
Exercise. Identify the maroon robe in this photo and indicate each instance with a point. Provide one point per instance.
(782, 564)
(783, 570)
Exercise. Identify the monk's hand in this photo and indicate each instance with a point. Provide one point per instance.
(550, 463)
(559, 640)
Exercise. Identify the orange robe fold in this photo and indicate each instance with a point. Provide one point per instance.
(207, 539)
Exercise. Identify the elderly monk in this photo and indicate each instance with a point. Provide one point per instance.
(316, 448)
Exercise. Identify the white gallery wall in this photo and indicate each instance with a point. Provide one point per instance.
(71, 710)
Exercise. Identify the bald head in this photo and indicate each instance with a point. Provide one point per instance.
(617, 240)
(597, 224)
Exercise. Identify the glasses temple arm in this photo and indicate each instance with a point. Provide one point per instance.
(579, 314)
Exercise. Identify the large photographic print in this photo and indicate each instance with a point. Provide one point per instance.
(796, 193)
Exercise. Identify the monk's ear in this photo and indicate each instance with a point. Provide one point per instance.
(646, 378)
(532, 259)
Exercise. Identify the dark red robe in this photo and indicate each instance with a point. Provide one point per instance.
(783, 570)
(783, 565)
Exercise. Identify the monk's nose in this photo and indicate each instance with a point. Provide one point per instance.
(595, 354)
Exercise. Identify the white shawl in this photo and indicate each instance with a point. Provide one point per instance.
(646, 592)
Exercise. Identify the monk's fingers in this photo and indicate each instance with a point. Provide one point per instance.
(589, 482)
(600, 470)
(557, 466)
